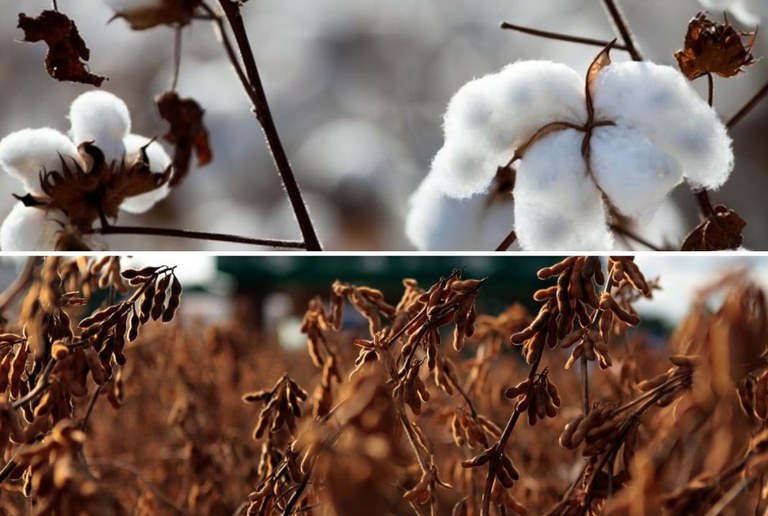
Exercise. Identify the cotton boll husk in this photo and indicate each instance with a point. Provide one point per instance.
(633, 173)
(530, 94)
(102, 118)
(541, 229)
(30, 229)
(553, 172)
(436, 222)
(27, 153)
(159, 161)
(658, 101)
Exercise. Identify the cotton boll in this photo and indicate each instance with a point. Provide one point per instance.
(159, 161)
(542, 229)
(659, 102)
(633, 173)
(30, 229)
(530, 94)
(102, 118)
(436, 222)
(470, 110)
(463, 170)
(553, 172)
(27, 153)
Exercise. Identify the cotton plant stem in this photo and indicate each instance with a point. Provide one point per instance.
(199, 235)
(748, 107)
(264, 115)
(560, 37)
(508, 241)
(623, 27)
(631, 235)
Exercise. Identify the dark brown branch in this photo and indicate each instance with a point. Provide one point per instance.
(264, 115)
(560, 37)
(749, 106)
(39, 389)
(705, 205)
(623, 27)
(182, 233)
(176, 58)
(508, 241)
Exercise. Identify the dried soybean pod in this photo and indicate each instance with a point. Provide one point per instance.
(174, 299)
(566, 438)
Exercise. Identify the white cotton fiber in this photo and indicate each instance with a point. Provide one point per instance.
(30, 229)
(463, 170)
(436, 222)
(658, 101)
(634, 174)
(102, 118)
(554, 173)
(541, 229)
(530, 94)
(26, 153)
(158, 162)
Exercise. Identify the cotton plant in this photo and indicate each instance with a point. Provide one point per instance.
(582, 152)
(70, 182)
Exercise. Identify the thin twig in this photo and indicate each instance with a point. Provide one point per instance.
(508, 241)
(264, 115)
(198, 235)
(728, 497)
(91, 405)
(176, 57)
(502, 442)
(19, 284)
(40, 387)
(623, 27)
(710, 89)
(618, 228)
(749, 106)
(560, 37)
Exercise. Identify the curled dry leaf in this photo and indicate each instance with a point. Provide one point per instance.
(66, 49)
(712, 47)
(187, 132)
(720, 231)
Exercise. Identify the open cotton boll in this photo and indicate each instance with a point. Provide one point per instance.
(462, 169)
(30, 229)
(658, 101)
(469, 111)
(540, 229)
(159, 161)
(530, 94)
(634, 174)
(26, 153)
(102, 118)
(553, 173)
(436, 222)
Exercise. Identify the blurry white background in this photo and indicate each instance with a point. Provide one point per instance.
(358, 89)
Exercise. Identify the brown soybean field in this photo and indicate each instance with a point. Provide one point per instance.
(114, 402)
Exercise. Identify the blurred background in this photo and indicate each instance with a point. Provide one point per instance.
(270, 293)
(358, 89)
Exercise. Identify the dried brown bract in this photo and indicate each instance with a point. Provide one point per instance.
(187, 133)
(712, 47)
(169, 12)
(66, 49)
(720, 231)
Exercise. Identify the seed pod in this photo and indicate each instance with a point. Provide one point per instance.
(761, 397)
(158, 301)
(548, 272)
(544, 294)
(684, 361)
(506, 464)
(480, 459)
(99, 316)
(647, 385)
(145, 307)
(566, 438)
(553, 393)
(517, 390)
(422, 486)
(146, 272)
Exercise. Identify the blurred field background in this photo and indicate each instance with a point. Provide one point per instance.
(358, 89)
